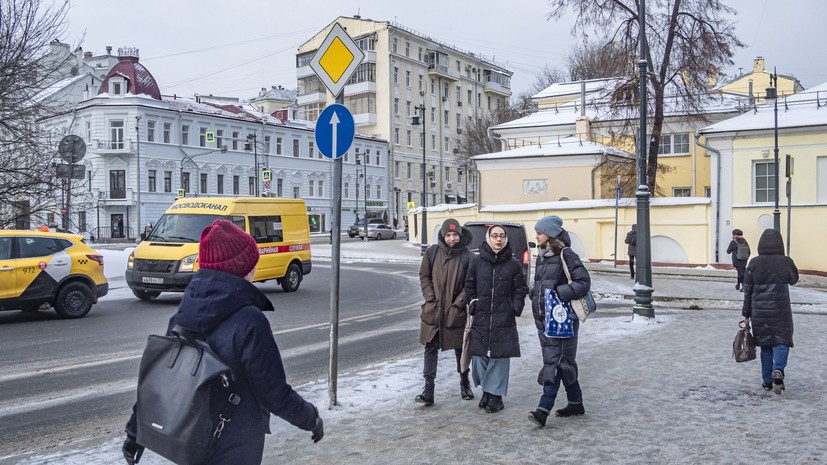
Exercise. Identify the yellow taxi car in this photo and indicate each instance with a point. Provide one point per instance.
(43, 269)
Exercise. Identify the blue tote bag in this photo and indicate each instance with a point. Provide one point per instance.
(559, 316)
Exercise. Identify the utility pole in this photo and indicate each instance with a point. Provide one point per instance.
(138, 161)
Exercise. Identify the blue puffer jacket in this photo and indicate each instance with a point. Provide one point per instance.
(767, 292)
(496, 281)
(228, 310)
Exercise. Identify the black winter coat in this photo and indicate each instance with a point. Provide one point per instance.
(228, 310)
(496, 281)
(631, 240)
(558, 354)
(767, 292)
(733, 249)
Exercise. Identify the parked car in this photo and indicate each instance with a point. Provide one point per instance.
(40, 269)
(355, 229)
(379, 231)
(520, 246)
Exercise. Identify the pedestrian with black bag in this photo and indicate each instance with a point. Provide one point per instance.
(559, 363)
(222, 306)
(739, 249)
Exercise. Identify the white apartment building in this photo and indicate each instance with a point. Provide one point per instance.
(144, 150)
(403, 73)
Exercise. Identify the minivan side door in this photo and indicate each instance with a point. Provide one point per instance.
(268, 231)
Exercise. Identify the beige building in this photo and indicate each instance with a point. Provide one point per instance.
(404, 72)
(754, 83)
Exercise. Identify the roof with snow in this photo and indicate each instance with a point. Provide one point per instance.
(138, 79)
(799, 110)
(568, 146)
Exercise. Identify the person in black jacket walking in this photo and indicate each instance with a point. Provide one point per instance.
(559, 365)
(495, 289)
(631, 240)
(767, 304)
(739, 248)
(222, 303)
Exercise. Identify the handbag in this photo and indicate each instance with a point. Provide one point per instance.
(559, 316)
(584, 306)
(743, 347)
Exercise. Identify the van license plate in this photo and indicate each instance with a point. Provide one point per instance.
(152, 280)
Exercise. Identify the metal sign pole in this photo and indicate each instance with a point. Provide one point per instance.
(333, 368)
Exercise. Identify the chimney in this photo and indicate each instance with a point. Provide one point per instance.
(87, 55)
(108, 50)
(758, 65)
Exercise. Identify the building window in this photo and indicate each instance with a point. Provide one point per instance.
(150, 131)
(407, 48)
(235, 140)
(296, 192)
(185, 182)
(367, 191)
(433, 142)
(707, 191)
(396, 136)
(88, 133)
(266, 144)
(420, 53)
(203, 182)
(396, 75)
(202, 137)
(167, 181)
(673, 144)
(409, 138)
(321, 189)
(378, 191)
(311, 148)
(278, 145)
(151, 184)
(219, 138)
(408, 108)
(764, 186)
(236, 185)
(408, 79)
(408, 169)
(251, 185)
(280, 187)
(167, 132)
(681, 192)
(311, 184)
(295, 148)
(346, 190)
(396, 169)
(396, 106)
(116, 134)
(447, 174)
(421, 83)
(117, 184)
(185, 134)
(219, 184)
(395, 44)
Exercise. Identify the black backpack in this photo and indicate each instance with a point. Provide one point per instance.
(180, 382)
(741, 249)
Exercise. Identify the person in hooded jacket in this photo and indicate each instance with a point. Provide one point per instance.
(495, 289)
(442, 279)
(559, 364)
(222, 303)
(739, 264)
(767, 305)
(631, 241)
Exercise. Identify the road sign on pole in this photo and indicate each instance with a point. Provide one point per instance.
(335, 130)
(336, 59)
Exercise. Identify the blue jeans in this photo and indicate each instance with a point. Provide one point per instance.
(573, 394)
(773, 358)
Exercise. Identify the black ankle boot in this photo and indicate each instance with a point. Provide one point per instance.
(538, 417)
(465, 386)
(495, 404)
(427, 396)
(571, 409)
(486, 397)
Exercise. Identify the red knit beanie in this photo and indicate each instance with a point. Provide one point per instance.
(225, 247)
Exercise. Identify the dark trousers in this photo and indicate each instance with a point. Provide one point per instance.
(741, 270)
(432, 357)
(632, 265)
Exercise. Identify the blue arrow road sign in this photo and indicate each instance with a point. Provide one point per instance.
(335, 131)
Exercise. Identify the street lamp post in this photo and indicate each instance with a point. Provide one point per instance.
(138, 162)
(417, 120)
(358, 175)
(772, 92)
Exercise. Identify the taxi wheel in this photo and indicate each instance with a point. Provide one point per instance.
(145, 295)
(291, 280)
(74, 300)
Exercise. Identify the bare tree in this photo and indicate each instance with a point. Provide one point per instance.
(546, 77)
(27, 181)
(477, 140)
(596, 60)
(687, 40)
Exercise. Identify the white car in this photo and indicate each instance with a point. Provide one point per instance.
(378, 231)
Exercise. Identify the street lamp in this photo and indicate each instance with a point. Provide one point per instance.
(138, 162)
(415, 121)
(188, 157)
(358, 175)
(772, 93)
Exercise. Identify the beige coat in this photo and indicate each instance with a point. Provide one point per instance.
(444, 311)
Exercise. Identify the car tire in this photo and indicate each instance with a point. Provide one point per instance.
(292, 279)
(378, 237)
(145, 295)
(394, 236)
(74, 300)
(351, 236)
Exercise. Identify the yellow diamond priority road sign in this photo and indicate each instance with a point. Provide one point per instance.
(336, 59)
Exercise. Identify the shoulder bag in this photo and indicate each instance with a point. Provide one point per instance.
(584, 306)
(743, 347)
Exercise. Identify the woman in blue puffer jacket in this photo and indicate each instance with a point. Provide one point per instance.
(559, 365)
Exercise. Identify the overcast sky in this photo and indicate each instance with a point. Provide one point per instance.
(234, 48)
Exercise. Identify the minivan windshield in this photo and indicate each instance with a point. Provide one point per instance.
(186, 227)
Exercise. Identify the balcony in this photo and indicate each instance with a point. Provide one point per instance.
(497, 88)
(443, 71)
(360, 88)
(112, 146)
(304, 71)
(364, 118)
(120, 198)
(313, 97)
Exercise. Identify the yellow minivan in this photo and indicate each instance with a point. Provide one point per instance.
(167, 260)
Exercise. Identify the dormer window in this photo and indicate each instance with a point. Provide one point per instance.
(117, 86)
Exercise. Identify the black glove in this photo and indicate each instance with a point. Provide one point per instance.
(472, 307)
(132, 451)
(318, 430)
